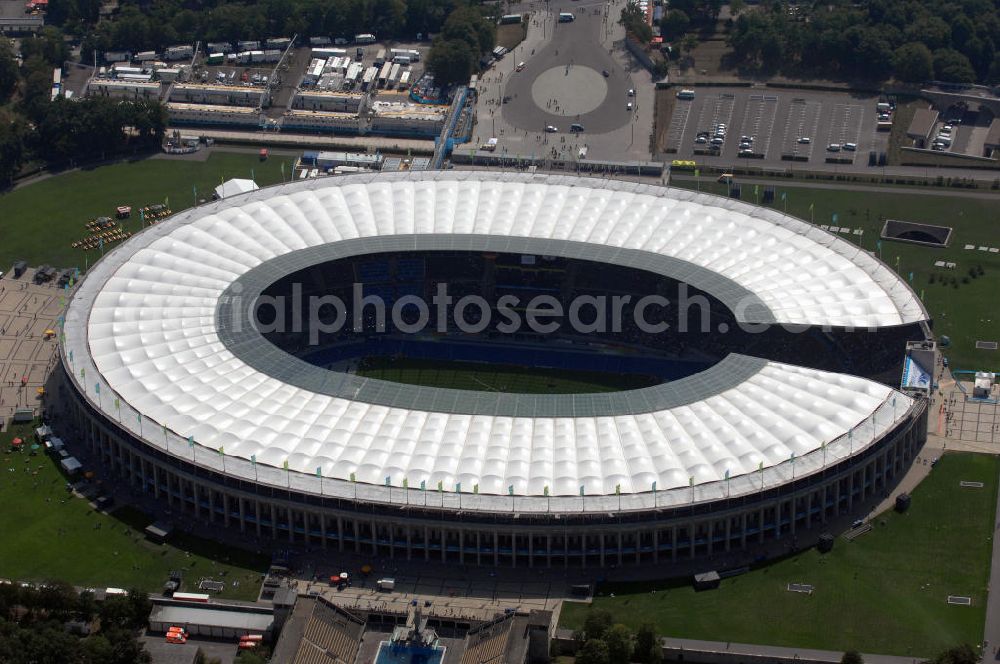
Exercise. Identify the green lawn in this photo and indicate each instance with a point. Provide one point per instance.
(963, 313)
(48, 534)
(38, 222)
(498, 377)
(884, 593)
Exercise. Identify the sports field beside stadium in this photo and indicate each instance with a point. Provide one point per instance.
(50, 534)
(885, 593)
(497, 377)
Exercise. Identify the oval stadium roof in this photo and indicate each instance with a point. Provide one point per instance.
(143, 342)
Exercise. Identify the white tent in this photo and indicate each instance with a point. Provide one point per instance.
(234, 187)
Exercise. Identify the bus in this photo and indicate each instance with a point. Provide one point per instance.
(192, 597)
(510, 19)
(566, 17)
(364, 38)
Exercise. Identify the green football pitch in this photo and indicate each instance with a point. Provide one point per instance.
(886, 592)
(497, 377)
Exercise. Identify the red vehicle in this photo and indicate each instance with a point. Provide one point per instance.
(263, 154)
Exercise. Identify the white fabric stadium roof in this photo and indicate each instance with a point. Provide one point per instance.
(143, 322)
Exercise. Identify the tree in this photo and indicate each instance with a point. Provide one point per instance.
(963, 654)
(452, 61)
(647, 645)
(913, 63)
(597, 623)
(8, 71)
(619, 642)
(594, 651)
(674, 24)
(852, 657)
(689, 43)
(952, 66)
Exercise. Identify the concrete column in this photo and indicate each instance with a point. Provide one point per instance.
(693, 532)
(531, 550)
(427, 543)
(258, 514)
(340, 534)
(620, 547)
(444, 545)
(479, 550)
(729, 532)
(711, 536)
(274, 521)
(743, 531)
(243, 511)
(322, 527)
(409, 543)
(656, 545)
(850, 491)
(496, 549)
(374, 531)
(760, 526)
(225, 508)
(211, 508)
(356, 530)
(793, 503)
(673, 544)
(156, 481)
(548, 550)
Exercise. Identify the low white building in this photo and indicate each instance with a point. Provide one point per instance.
(229, 95)
(321, 121)
(107, 87)
(328, 100)
(403, 118)
(211, 114)
(234, 187)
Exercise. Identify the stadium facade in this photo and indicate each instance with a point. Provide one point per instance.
(180, 392)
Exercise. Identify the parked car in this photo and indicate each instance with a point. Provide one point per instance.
(551, 129)
(833, 147)
(805, 140)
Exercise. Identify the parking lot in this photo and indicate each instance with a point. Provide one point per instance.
(775, 128)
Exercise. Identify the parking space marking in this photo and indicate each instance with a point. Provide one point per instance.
(678, 123)
(758, 121)
(721, 113)
(803, 121)
(845, 124)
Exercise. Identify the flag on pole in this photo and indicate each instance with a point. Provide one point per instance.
(756, 189)
(546, 490)
(582, 489)
(911, 277)
(164, 429)
(458, 487)
(190, 441)
(475, 489)
(792, 458)
(284, 464)
(440, 486)
(618, 489)
(388, 480)
(760, 466)
(406, 483)
(654, 486)
(810, 207)
(835, 217)
(878, 245)
(253, 459)
(727, 474)
(194, 189)
(691, 481)
(222, 450)
(319, 472)
(784, 196)
(118, 404)
(83, 373)
(423, 485)
(510, 490)
(354, 477)
(71, 357)
(697, 172)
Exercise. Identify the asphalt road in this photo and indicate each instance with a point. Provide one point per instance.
(563, 83)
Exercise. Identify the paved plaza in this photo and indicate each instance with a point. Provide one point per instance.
(27, 355)
(562, 83)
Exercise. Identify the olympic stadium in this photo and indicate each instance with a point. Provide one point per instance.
(765, 411)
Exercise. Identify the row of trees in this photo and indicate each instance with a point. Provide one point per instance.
(604, 642)
(142, 25)
(33, 626)
(465, 37)
(907, 39)
(59, 132)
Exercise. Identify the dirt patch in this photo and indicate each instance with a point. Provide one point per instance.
(663, 109)
(511, 35)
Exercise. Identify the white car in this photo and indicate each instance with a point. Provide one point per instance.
(805, 140)
(701, 139)
(850, 147)
(833, 147)
(629, 106)
(552, 130)
(718, 140)
(631, 92)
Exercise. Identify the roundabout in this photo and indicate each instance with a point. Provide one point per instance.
(565, 82)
